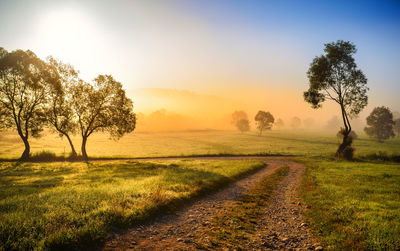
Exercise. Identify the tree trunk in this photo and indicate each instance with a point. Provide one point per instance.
(73, 152)
(25, 154)
(345, 143)
(346, 138)
(83, 148)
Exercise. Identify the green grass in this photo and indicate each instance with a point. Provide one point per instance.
(68, 205)
(199, 143)
(354, 205)
(232, 228)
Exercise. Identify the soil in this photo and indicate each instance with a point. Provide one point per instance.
(281, 226)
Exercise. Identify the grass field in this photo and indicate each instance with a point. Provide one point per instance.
(64, 205)
(354, 205)
(208, 142)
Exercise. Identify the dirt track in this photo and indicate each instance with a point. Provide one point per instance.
(280, 227)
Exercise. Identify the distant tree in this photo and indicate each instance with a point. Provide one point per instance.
(59, 111)
(243, 125)
(295, 122)
(238, 115)
(264, 121)
(24, 86)
(335, 76)
(279, 123)
(397, 127)
(106, 108)
(380, 124)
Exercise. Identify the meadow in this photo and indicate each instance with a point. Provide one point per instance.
(156, 144)
(352, 204)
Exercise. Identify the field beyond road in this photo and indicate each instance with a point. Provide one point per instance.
(141, 144)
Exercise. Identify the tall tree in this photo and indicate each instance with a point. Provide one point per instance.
(106, 108)
(335, 76)
(59, 111)
(380, 124)
(24, 85)
(264, 121)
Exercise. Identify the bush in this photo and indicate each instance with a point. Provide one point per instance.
(383, 156)
(45, 156)
(348, 152)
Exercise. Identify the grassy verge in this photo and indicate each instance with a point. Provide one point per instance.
(353, 205)
(74, 205)
(232, 228)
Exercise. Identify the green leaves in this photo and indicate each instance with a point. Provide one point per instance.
(335, 76)
(380, 123)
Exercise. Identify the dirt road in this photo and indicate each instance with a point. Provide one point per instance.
(280, 227)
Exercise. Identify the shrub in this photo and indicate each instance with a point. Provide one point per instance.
(348, 152)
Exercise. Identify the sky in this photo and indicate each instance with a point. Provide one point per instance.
(254, 52)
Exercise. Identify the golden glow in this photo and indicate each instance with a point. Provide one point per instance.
(72, 36)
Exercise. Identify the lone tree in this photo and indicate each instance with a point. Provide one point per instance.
(243, 125)
(264, 121)
(380, 124)
(335, 76)
(24, 86)
(59, 112)
(102, 107)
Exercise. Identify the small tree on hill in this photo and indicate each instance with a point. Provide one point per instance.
(243, 125)
(59, 112)
(106, 108)
(335, 76)
(380, 124)
(24, 87)
(264, 121)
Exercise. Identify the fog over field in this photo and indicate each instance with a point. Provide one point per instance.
(176, 110)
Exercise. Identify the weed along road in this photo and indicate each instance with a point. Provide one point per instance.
(260, 211)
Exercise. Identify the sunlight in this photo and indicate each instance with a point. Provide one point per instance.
(71, 35)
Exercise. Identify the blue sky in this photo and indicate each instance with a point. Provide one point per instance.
(210, 46)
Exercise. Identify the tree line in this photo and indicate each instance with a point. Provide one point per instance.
(35, 94)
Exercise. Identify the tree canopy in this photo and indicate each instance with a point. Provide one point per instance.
(59, 111)
(380, 124)
(264, 121)
(335, 76)
(35, 93)
(24, 86)
(243, 125)
(106, 108)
